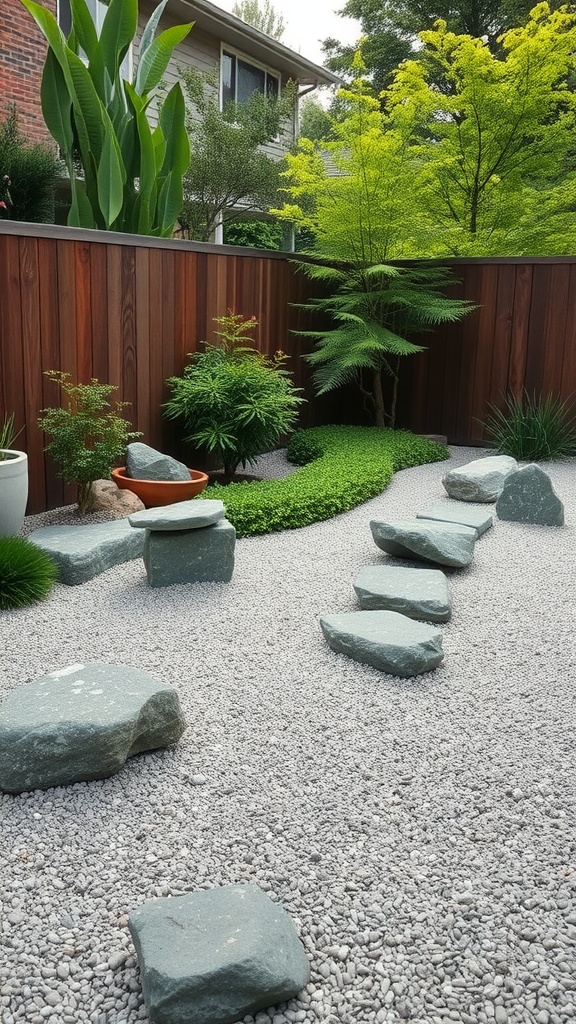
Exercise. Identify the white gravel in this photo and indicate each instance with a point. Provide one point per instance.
(421, 832)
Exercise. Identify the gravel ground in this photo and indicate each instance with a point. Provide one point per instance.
(420, 832)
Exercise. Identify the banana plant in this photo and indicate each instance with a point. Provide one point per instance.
(124, 174)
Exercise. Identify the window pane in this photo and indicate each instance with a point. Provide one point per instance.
(65, 16)
(250, 79)
(228, 75)
(271, 87)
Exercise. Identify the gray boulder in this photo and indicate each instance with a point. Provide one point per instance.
(480, 480)
(386, 640)
(418, 593)
(443, 543)
(213, 957)
(190, 556)
(183, 515)
(457, 512)
(529, 497)
(81, 723)
(145, 463)
(82, 552)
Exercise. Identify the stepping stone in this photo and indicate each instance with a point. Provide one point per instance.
(417, 593)
(182, 515)
(386, 640)
(82, 552)
(213, 957)
(480, 480)
(81, 723)
(529, 497)
(145, 463)
(190, 556)
(444, 543)
(457, 512)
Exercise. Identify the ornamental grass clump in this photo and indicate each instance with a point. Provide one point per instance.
(233, 401)
(532, 429)
(8, 435)
(26, 573)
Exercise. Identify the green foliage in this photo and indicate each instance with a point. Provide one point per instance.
(234, 401)
(315, 121)
(28, 175)
(263, 16)
(131, 177)
(88, 435)
(8, 434)
(228, 171)
(26, 573)
(345, 466)
(257, 234)
(532, 429)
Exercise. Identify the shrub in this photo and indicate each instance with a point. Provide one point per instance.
(234, 401)
(344, 467)
(26, 573)
(256, 234)
(28, 175)
(88, 436)
(532, 429)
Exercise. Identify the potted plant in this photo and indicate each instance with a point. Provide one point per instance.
(13, 480)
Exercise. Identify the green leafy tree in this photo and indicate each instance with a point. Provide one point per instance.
(262, 16)
(315, 121)
(28, 175)
(257, 234)
(131, 174)
(228, 170)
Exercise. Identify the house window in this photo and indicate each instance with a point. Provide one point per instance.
(240, 79)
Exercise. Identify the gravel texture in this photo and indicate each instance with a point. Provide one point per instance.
(420, 832)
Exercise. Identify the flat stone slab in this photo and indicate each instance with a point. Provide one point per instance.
(82, 552)
(418, 593)
(182, 515)
(443, 543)
(457, 512)
(529, 497)
(190, 556)
(386, 640)
(82, 723)
(213, 957)
(480, 480)
(145, 463)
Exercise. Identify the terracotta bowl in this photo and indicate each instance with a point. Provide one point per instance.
(161, 492)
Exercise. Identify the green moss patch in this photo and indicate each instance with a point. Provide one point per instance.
(341, 467)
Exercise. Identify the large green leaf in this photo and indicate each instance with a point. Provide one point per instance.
(57, 106)
(118, 31)
(83, 28)
(151, 26)
(81, 214)
(169, 203)
(172, 124)
(48, 26)
(89, 111)
(154, 61)
(110, 178)
(159, 148)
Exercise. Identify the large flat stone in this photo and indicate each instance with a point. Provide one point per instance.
(213, 957)
(145, 463)
(457, 512)
(82, 552)
(443, 543)
(480, 480)
(386, 640)
(529, 497)
(182, 515)
(81, 723)
(418, 593)
(192, 556)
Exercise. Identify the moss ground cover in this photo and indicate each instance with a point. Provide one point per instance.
(341, 467)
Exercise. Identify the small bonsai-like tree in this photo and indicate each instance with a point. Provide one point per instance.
(234, 401)
(88, 435)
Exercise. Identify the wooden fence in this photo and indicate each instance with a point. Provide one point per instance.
(128, 309)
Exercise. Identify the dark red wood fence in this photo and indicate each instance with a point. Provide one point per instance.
(128, 309)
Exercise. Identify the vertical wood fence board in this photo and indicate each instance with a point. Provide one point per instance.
(484, 349)
(84, 336)
(114, 304)
(13, 361)
(157, 302)
(32, 362)
(128, 388)
(554, 337)
(502, 337)
(99, 311)
(50, 358)
(465, 386)
(67, 310)
(568, 388)
(539, 317)
(140, 414)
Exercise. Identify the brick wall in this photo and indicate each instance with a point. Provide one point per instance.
(22, 54)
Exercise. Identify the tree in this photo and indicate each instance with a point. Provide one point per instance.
(228, 171)
(315, 121)
(28, 175)
(263, 17)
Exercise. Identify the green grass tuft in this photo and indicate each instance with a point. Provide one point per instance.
(26, 573)
(341, 467)
(532, 429)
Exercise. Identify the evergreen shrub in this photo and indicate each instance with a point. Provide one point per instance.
(26, 573)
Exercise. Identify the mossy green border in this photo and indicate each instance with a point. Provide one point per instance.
(341, 467)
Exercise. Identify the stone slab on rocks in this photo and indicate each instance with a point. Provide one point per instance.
(529, 497)
(457, 512)
(182, 515)
(418, 593)
(442, 543)
(82, 723)
(82, 552)
(190, 556)
(386, 640)
(145, 463)
(105, 496)
(481, 480)
(215, 956)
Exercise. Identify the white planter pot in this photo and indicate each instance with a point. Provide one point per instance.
(13, 491)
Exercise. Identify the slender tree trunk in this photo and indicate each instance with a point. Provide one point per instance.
(395, 376)
(380, 415)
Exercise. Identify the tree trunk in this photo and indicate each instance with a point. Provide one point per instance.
(380, 415)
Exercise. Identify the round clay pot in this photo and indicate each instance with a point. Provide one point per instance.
(161, 492)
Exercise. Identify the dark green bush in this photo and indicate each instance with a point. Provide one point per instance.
(532, 429)
(28, 175)
(256, 234)
(344, 467)
(26, 573)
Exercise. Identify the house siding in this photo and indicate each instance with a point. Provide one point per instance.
(22, 56)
